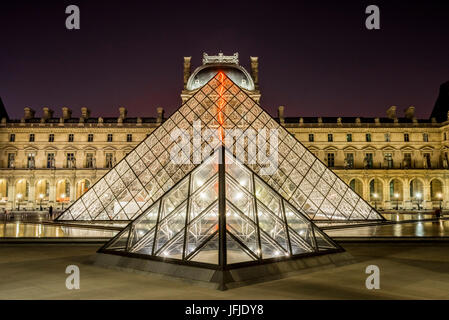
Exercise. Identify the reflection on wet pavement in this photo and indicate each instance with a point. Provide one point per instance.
(408, 229)
(36, 230)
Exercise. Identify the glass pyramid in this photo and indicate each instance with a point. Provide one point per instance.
(221, 214)
(139, 180)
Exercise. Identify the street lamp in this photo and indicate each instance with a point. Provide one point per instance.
(62, 200)
(41, 196)
(19, 196)
(375, 195)
(396, 195)
(418, 197)
(440, 198)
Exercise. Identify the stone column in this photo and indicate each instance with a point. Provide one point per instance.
(386, 194)
(11, 194)
(52, 193)
(406, 194)
(32, 194)
(427, 203)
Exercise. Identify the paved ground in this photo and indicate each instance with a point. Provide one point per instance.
(413, 271)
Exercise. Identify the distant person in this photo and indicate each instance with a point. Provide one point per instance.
(50, 212)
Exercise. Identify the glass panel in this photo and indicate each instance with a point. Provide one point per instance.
(174, 198)
(268, 197)
(145, 246)
(170, 226)
(241, 228)
(301, 226)
(299, 246)
(204, 172)
(270, 249)
(238, 172)
(120, 242)
(238, 196)
(201, 229)
(236, 253)
(174, 249)
(208, 253)
(273, 226)
(144, 223)
(203, 198)
(322, 240)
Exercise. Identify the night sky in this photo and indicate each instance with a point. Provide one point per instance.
(315, 57)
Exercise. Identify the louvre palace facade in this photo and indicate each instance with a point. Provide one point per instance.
(393, 162)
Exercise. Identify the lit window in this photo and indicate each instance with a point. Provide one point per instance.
(50, 160)
(109, 160)
(11, 160)
(387, 137)
(425, 137)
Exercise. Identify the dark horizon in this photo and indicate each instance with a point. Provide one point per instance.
(314, 59)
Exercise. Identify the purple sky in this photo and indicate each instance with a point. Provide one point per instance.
(316, 57)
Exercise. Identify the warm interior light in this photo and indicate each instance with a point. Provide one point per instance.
(418, 195)
(396, 195)
(375, 195)
(439, 195)
(19, 196)
(41, 196)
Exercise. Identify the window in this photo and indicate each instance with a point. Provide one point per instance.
(368, 162)
(406, 137)
(109, 160)
(31, 161)
(349, 161)
(368, 137)
(425, 137)
(331, 159)
(311, 137)
(71, 137)
(330, 137)
(12, 137)
(51, 137)
(109, 137)
(31, 137)
(129, 137)
(90, 137)
(387, 137)
(89, 160)
(70, 160)
(349, 137)
(445, 136)
(426, 161)
(388, 160)
(50, 160)
(11, 160)
(407, 160)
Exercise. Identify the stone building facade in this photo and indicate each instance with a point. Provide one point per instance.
(394, 162)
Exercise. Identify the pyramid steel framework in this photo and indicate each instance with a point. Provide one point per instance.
(222, 217)
(141, 178)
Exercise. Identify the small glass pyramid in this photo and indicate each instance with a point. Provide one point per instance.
(221, 213)
(145, 174)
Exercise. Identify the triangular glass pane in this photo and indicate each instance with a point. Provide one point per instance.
(203, 173)
(322, 241)
(145, 245)
(207, 253)
(268, 197)
(144, 223)
(238, 172)
(240, 198)
(173, 198)
(120, 242)
(201, 228)
(270, 249)
(170, 226)
(299, 245)
(299, 224)
(243, 229)
(272, 225)
(203, 198)
(235, 253)
(173, 249)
